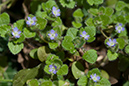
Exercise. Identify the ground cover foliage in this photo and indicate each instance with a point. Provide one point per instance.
(64, 43)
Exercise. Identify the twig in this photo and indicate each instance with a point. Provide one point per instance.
(41, 36)
(104, 34)
(25, 10)
(4, 3)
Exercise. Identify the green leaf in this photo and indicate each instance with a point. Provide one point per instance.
(111, 56)
(46, 83)
(63, 83)
(90, 56)
(51, 58)
(91, 30)
(123, 33)
(63, 70)
(4, 29)
(121, 42)
(77, 70)
(42, 53)
(89, 22)
(41, 14)
(93, 11)
(46, 69)
(82, 81)
(57, 22)
(33, 82)
(59, 31)
(120, 5)
(91, 2)
(4, 19)
(72, 32)
(102, 10)
(127, 49)
(105, 19)
(76, 24)
(67, 43)
(78, 13)
(57, 62)
(104, 74)
(96, 2)
(94, 71)
(108, 11)
(121, 19)
(23, 75)
(79, 42)
(69, 4)
(19, 40)
(48, 5)
(19, 24)
(53, 45)
(127, 18)
(41, 23)
(103, 82)
(15, 48)
(126, 83)
(28, 33)
(33, 53)
(91, 39)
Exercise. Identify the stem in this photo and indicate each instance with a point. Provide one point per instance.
(88, 84)
(25, 10)
(104, 34)
(4, 3)
(6, 80)
(5, 75)
(51, 76)
(41, 36)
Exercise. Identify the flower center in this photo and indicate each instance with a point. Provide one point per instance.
(95, 78)
(85, 36)
(119, 28)
(112, 43)
(31, 21)
(15, 33)
(52, 35)
(53, 68)
(55, 12)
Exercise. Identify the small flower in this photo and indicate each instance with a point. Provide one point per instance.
(111, 43)
(55, 11)
(16, 33)
(52, 69)
(84, 35)
(119, 28)
(31, 21)
(52, 34)
(94, 77)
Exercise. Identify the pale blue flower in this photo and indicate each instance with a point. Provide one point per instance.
(84, 35)
(16, 33)
(111, 43)
(55, 11)
(31, 21)
(119, 28)
(52, 69)
(52, 34)
(94, 77)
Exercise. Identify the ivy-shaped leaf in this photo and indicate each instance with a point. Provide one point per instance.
(4, 19)
(15, 48)
(90, 56)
